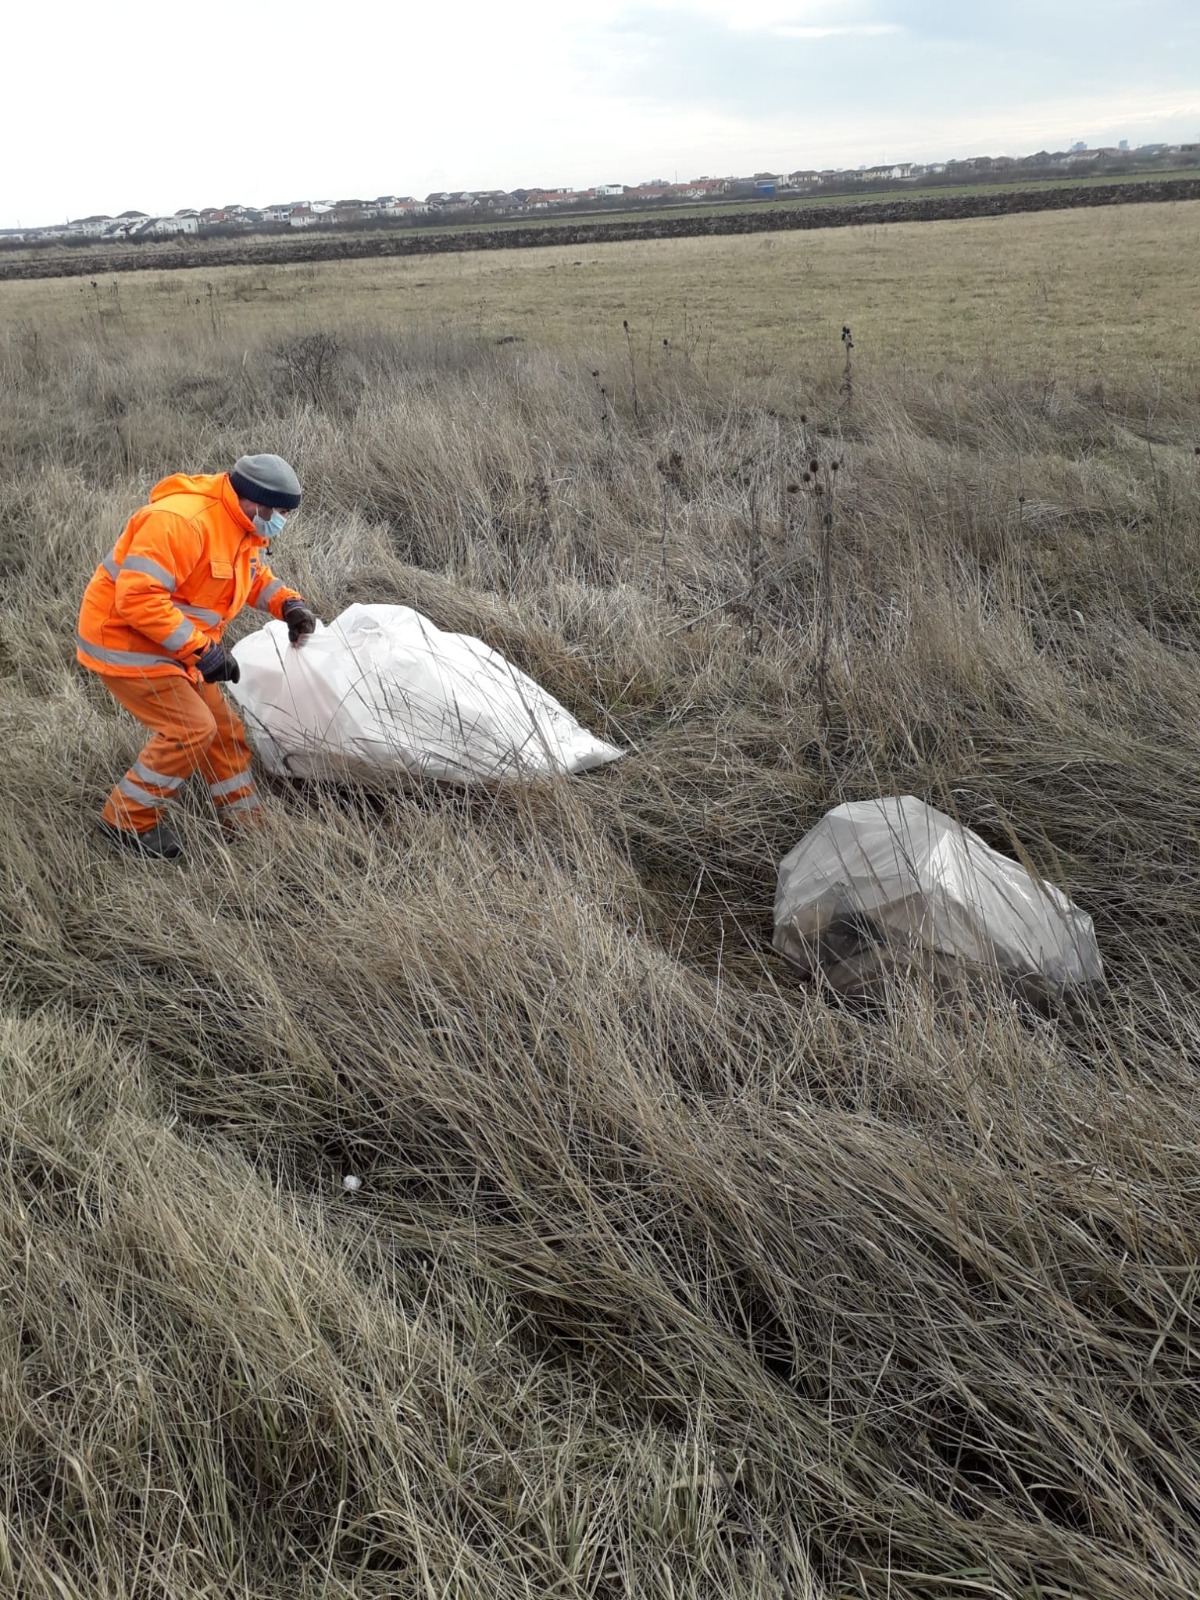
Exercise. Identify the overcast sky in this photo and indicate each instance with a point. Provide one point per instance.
(137, 103)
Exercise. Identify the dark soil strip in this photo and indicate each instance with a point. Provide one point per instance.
(84, 262)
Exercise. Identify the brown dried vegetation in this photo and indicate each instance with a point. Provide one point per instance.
(668, 1276)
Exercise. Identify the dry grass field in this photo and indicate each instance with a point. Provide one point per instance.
(1075, 297)
(670, 1275)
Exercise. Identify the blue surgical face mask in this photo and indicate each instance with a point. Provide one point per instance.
(273, 525)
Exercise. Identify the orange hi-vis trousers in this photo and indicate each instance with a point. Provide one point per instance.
(195, 730)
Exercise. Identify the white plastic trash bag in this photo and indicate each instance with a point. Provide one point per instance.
(382, 692)
(878, 883)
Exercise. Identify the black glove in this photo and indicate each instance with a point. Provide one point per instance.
(215, 665)
(300, 621)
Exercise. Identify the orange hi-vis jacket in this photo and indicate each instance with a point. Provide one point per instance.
(186, 564)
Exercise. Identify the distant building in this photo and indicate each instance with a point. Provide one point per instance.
(701, 188)
(351, 211)
(400, 205)
(544, 199)
(162, 226)
(90, 227)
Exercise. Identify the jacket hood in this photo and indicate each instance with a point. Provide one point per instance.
(208, 485)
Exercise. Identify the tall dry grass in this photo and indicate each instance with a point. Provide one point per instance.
(669, 1276)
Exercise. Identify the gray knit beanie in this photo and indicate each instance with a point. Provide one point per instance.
(267, 480)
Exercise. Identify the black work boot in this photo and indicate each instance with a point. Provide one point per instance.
(159, 842)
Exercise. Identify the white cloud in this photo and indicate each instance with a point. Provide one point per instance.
(860, 30)
(160, 107)
(761, 16)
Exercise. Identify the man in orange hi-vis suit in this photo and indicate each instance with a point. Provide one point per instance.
(150, 627)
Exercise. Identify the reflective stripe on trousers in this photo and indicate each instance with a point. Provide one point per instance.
(160, 780)
(194, 728)
(247, 802)
(239, 780)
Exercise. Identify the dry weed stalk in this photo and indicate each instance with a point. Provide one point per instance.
(633, 388)
(847, 371)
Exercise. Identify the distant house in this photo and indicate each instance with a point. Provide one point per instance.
(889, 171)
(310, 215)
(397, 205)
(155, 226)
(90, 227)
(700, 188)
(608, 191)
(543, 199)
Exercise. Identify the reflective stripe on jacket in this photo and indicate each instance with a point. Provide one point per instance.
(185, 565)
